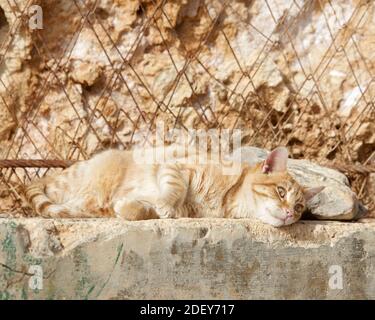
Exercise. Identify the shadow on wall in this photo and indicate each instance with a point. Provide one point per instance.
(4, 26)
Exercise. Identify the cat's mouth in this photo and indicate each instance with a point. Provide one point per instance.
(284, 219)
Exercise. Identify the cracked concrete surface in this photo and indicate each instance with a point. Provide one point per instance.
(185, 258)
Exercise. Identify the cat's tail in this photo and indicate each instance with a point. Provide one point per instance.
(42, 204)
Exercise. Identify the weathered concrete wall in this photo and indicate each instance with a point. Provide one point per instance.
(187, 258)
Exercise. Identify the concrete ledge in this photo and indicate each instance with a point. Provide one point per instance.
(184, 259)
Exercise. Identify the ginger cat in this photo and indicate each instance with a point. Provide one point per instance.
(113, 184)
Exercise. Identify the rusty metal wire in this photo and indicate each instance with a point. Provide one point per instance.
(38, 163)
(46, 163)
(30, 149)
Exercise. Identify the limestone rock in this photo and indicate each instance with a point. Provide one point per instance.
(371, 192)
(261, 55)
(337, 201)
(300, 71)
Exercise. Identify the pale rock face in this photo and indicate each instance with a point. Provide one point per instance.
(277, 56)
(296, 73)
(371, 185)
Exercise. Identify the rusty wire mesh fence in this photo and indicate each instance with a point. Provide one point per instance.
(294, 73)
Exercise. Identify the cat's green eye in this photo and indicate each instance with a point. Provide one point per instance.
(298, 208)
(281, 191)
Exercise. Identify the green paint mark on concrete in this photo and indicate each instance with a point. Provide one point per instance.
(82, 284)
(24, 295)
(30, 260)
(119, 251)
(36, 291)
(8, 244)
(12, 225)
(9, 249)
(5, 295)
(88, 293)
(82, 267)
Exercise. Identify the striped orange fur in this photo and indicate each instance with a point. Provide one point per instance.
(115, 184)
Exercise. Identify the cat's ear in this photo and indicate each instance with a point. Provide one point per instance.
(276, 161)
(311, 192)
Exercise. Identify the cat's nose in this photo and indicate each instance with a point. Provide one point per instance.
(289, 213)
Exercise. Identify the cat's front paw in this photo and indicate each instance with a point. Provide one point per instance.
(117, 207)
(130, 210)
(165, 212)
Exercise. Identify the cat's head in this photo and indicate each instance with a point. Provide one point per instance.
(280, 200)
